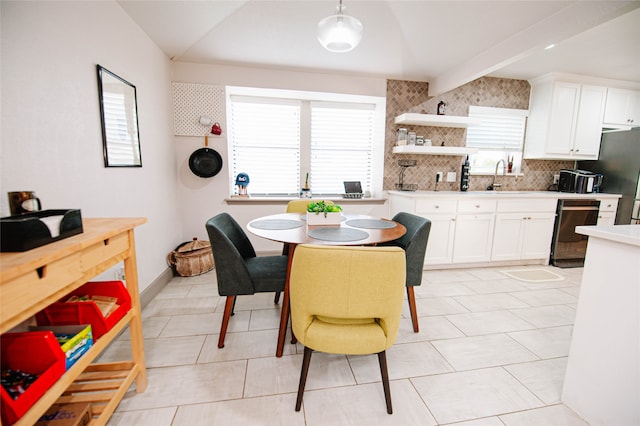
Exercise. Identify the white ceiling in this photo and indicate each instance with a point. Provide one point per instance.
(447, 43)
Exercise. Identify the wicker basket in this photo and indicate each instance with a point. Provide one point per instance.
(191, 258)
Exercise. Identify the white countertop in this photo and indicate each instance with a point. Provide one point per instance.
(505, 194)
(626, 234)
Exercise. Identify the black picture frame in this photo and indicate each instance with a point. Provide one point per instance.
(119, 118)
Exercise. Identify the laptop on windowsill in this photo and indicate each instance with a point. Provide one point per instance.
(352, 189)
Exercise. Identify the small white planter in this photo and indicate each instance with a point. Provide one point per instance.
(320, 219)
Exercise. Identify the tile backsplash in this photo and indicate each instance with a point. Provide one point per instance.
(412, 96)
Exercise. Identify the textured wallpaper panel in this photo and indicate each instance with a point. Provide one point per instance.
(192, 101)
(412, 96)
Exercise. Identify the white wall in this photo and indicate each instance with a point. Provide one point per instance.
(51, 138)
(204, 198)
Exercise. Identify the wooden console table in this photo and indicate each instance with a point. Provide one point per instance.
(32, 280)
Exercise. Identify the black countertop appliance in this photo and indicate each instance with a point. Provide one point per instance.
(579, 181)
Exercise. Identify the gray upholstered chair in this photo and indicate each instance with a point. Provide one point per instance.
(414, 243)
(238, 269)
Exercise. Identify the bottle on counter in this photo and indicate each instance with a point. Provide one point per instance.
(464, 175)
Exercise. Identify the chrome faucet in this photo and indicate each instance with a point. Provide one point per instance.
(495, 185)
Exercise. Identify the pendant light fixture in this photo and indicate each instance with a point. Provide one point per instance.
(339, 33)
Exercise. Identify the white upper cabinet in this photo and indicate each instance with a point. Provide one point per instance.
(622, 108)
(588, 131)
(565, 120)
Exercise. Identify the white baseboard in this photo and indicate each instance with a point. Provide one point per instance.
(155, 287)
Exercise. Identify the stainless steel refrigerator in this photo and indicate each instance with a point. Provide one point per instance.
(619, 163)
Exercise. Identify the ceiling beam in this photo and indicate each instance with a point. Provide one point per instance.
(573, 19)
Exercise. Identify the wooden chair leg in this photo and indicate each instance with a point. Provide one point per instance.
(382, 359)
(285, 252)
(228, 307)
(412, 307)
(303, 375)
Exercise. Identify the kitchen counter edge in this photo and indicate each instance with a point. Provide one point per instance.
(504, 194)
(625, 234)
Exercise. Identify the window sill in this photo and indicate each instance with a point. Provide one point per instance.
(285, 200)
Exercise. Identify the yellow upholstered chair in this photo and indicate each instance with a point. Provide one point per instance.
(355, 310)
(297, 206)
(300, 206)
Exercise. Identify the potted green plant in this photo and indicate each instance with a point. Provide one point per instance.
(322, 213)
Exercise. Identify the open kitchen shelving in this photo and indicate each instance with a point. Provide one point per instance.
(432, 120)
(434, 150)
(436, 120)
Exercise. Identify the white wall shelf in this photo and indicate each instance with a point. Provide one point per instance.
(435, 120)
(434, 150)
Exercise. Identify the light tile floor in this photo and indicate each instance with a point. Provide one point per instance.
(492, 351)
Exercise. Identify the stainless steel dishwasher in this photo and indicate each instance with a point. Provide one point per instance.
(568, 249)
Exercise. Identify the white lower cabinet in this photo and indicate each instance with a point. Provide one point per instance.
(522, 236)
(440, 243)
(606, 218)
(474, 230)
(537, 236)
(607, 212)
(492, 228)
(523, 230)
(473, 237)
(442, 213)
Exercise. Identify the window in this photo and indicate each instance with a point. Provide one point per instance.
(341, 146)
(265, 136)
(500, 136)
(277, 137)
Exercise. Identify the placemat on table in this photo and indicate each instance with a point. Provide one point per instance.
(335, 233)
(277, 224)
(371, 223)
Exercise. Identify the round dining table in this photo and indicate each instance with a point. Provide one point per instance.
(292, 229)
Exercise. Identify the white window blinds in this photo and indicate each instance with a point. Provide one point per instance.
(278, 136)
(499, 136)
(265, 143)
(342, 143)
(500, 128)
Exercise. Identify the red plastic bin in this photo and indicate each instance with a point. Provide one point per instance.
(63, 313)
(36, 352)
